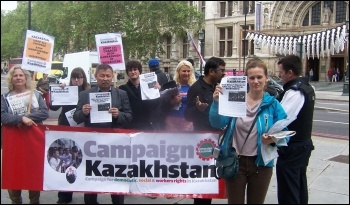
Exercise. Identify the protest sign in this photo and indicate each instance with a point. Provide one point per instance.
(232, 101)
(110, 50)
(38, 51)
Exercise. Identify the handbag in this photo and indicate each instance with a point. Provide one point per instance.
(227, 164)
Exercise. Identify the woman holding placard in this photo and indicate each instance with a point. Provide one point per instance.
(14, 111)
(247, 134)
(77, 78)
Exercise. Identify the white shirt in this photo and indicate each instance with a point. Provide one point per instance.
(292, 102)
(54, 163)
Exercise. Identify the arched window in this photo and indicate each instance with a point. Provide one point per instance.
(340, 15)
(326, 12)
(316, 14)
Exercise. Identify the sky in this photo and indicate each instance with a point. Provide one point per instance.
(8, 5)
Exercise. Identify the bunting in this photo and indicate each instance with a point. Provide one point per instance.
(316, 45)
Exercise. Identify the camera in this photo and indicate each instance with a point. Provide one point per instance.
(216, 152)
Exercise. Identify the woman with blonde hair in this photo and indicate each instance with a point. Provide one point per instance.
(184, 78)
(19, 82)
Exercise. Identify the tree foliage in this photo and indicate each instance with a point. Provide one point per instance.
(75, 23)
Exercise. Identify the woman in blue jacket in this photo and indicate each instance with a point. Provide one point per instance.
(253, 176)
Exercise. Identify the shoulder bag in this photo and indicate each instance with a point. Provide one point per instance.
(227, 164)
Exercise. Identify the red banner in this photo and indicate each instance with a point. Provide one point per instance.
(22, 160)
(24, 156)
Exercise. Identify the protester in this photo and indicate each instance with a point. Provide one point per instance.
(199, 99)
(162, 77)
(43, 86)
(184, 78)
(169, 99)
(120, 111)
(141, 109)
(77, 78)
(19, 81)
(191, 61)
(298, 100)
(253, 177)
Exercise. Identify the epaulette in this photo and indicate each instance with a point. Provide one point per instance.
(296, 86)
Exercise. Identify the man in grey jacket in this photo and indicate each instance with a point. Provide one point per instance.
(120, 110)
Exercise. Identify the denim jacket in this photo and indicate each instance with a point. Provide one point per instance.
(269, 112)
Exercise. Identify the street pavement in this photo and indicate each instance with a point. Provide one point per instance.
(328, 174)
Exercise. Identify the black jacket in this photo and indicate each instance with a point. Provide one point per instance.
(162, 77)
(141, 109)
(200, 119)
(120, 100)
(303, 124)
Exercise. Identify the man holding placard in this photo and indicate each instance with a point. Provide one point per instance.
(104, 99)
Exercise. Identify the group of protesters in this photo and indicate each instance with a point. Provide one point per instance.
(187, 104)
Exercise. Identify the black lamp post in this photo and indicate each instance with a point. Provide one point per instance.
(201, 37)
(346, 82)
(29, 15)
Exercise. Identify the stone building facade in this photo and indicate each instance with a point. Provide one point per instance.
(226, 27)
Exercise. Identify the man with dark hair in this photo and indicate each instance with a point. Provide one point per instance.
(43, 85)
(191, 61)
(298, 100)
(141, 109)
(162, 77)
(120, 111)
(199, 99)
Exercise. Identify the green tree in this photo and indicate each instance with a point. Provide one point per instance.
(13, 31)
(74, 24)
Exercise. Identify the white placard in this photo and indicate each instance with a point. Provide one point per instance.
(64, 96)
(100, 104)
(38, 51)
(148, 88)
(69, 116)
(19, 102)
(232, 102)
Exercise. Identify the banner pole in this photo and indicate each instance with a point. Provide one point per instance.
(31, 93)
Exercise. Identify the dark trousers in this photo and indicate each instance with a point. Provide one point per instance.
(201, 201)
(16, 196)
(92, 199)
(250, 180)
(291, 172)
(65, 196)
